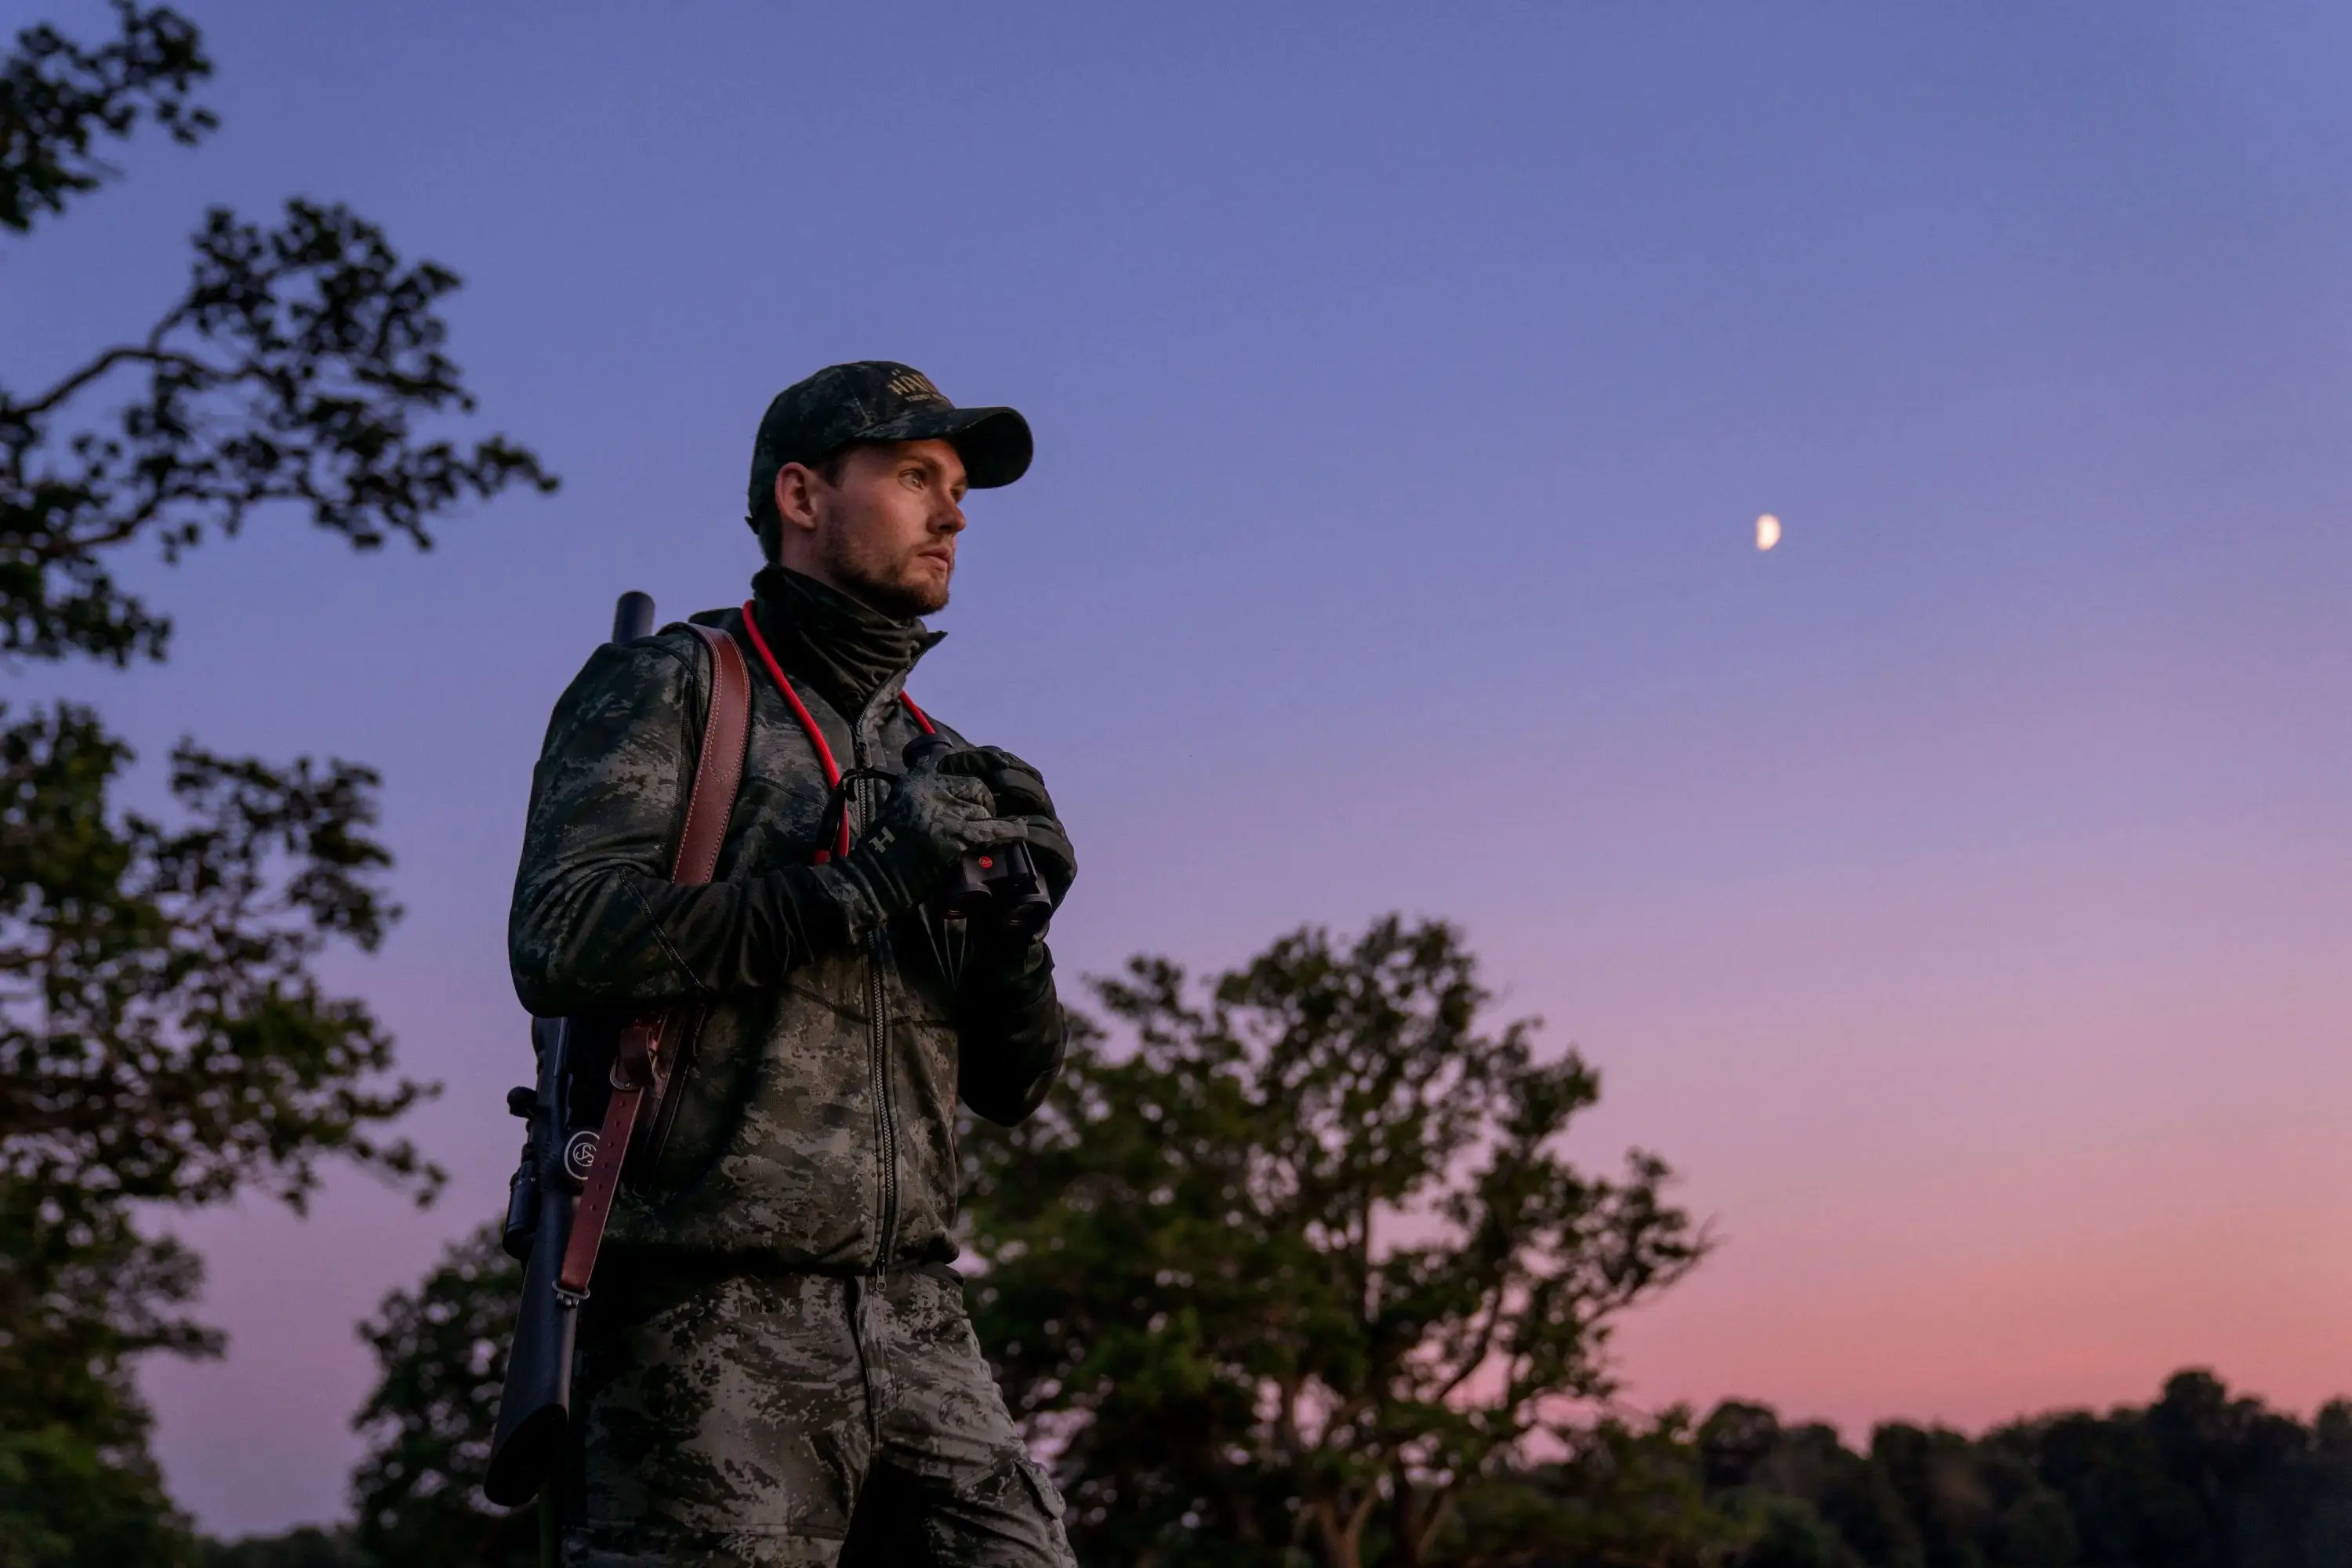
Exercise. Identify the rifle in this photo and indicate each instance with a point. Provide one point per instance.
(559, 1149)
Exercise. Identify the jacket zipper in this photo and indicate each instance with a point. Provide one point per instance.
(877, 1045)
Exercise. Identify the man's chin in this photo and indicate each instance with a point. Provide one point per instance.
(903, 599)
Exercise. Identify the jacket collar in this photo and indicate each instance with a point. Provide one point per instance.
(852, 653)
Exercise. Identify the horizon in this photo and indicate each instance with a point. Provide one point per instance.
(1954, 894)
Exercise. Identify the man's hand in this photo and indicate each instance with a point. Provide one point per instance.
(1019, 792)
(938, 811)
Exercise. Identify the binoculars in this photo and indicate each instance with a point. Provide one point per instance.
(999, 883)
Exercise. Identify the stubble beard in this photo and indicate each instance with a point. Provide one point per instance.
(885, 584)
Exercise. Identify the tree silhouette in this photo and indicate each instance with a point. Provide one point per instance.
(440, 1352)
(1306, 1261)
(162, 1035)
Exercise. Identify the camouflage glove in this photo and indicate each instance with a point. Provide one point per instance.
(1019, 791)
(938, 812)
(1019, 969)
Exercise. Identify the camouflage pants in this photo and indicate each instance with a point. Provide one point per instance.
(743, 1422)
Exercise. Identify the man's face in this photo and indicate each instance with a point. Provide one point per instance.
(886, 531)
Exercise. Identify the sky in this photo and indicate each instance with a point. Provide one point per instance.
(1956, 895)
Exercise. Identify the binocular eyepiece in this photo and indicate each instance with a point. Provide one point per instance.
(999, 883)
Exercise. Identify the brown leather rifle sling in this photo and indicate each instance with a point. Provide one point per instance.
(650, 1043)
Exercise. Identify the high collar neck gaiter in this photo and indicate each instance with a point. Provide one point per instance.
(847, 649)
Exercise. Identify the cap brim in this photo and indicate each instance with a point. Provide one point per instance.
(994, 443)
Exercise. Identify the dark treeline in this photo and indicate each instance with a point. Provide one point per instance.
(2197, 1479)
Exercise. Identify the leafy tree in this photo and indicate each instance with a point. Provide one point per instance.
(2199, 1479)
(292, 369)
(306, 1546)
(1625, 1493)
(440, 1352)
(161, 1034)
(80, 1292)
(1307, 1260)
(57, 97)
(163, 1037)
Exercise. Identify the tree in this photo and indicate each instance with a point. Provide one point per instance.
(57, 97)
(163, 1037)
(1307, 1260)
(1625, 1492)
(440, 1352)
(77, 1299)
(2196, 1478)
(305, 1546)
(293, 368)
(2199, 1479)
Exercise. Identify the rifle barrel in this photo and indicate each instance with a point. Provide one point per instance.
(633, 616)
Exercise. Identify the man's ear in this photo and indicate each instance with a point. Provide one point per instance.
(795, 499)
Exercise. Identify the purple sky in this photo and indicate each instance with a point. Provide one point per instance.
(1959, 895)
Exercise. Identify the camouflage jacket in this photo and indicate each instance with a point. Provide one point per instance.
(816, 1120)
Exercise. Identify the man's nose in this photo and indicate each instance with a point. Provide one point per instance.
(949, 521)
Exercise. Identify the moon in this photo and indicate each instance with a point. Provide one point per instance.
(1768, 532)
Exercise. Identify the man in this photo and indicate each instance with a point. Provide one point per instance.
(775, 1345)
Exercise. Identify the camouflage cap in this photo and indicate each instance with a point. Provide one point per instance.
(881, 400)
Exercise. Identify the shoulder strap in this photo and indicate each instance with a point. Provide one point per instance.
(641, 1062)
(719, 770)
